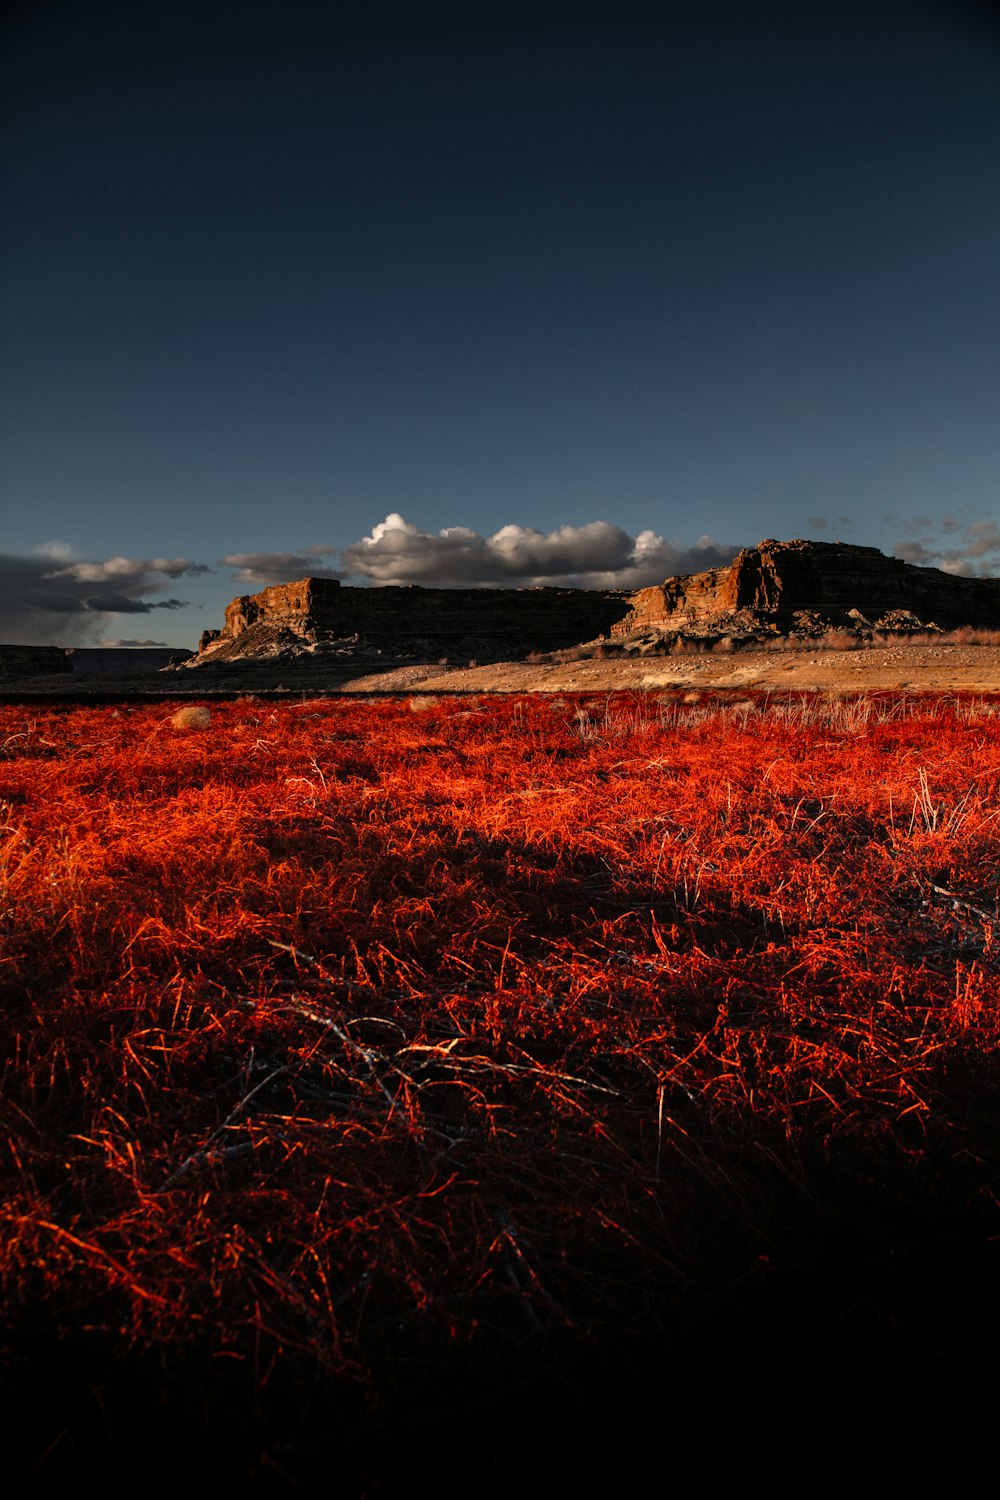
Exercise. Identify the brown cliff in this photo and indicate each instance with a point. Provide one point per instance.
(808, 587)
(318, 616)
(778, 588)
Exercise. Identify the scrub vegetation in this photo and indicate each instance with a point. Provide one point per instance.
(363, 1064)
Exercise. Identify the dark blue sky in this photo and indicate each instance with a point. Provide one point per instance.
(274, 272)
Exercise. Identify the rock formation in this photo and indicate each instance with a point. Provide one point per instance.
(318, 616)
(796, 588)
(806, 588)
(34, 661)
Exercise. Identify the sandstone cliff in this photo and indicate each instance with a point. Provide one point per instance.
(319, 616)
(777, 588)
(808, 587)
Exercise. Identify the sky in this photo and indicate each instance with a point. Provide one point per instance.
(486, 294)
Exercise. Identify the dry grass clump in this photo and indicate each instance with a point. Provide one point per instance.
(827, 640)
(193, 717)
(599, 650)
(833, 639)
(969, 635)
(841, 640)
(964, 635)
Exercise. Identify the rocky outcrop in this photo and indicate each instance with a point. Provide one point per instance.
(807, 588)
(777, 588)
(34, 661)
(321, 617)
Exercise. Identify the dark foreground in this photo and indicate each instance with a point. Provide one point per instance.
(500, 1092)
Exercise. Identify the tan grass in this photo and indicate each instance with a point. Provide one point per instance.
(191, 718)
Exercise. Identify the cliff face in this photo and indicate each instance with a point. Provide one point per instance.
(776, 588)
(780, 585)
(321, 616)
(34, 661)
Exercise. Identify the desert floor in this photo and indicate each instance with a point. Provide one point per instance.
(912, 668)
(919, 668)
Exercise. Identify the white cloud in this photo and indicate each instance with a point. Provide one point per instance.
(596, 555)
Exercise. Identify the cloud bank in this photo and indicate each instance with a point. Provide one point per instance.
(597, 555)
(47, 597)
(953, 543)
(53, 595)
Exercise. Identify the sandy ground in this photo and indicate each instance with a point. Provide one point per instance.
(913, 668)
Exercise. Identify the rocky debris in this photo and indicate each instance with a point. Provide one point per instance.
(320, 618)
(34, 661)
(805, 589)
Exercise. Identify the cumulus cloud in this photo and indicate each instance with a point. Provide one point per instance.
(65, 604)
(972, 548)
(596, 555)
(281, 567)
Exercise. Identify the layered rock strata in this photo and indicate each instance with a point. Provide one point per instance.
(796, 588)
(322, 617)
(34, 661)
(809, 587)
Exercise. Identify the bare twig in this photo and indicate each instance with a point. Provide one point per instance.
(961, 904)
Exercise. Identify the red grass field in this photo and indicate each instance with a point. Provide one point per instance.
(386, 1080)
